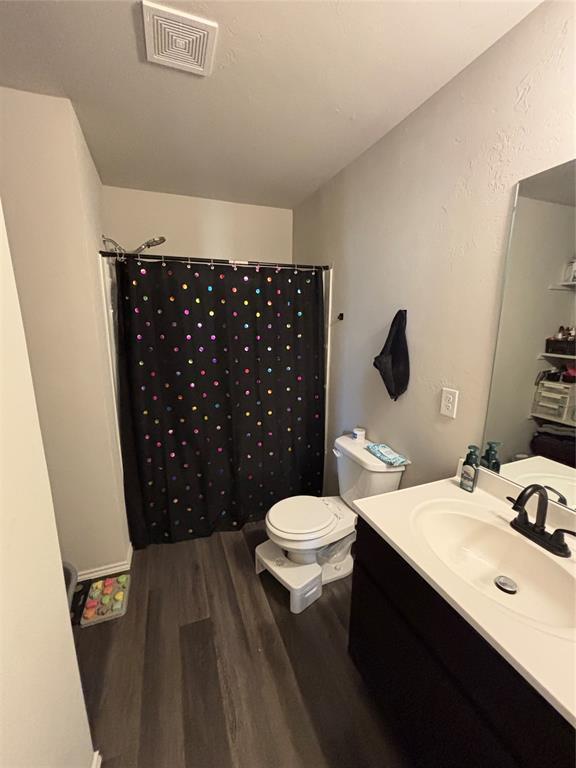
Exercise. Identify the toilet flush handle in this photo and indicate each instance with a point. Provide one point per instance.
(337, 453)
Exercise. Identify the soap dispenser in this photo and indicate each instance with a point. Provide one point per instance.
(469, 474)
(490, 458)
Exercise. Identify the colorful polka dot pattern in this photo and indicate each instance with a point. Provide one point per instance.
(224, 373)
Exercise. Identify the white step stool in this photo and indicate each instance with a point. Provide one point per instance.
(304, 582)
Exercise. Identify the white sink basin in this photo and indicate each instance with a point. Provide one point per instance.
(478, 545)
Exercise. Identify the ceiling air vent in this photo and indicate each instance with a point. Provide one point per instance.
(180, 40)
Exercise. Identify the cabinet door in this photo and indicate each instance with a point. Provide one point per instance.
(517, 714)
(434, 718)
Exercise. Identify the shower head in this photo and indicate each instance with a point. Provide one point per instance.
(152, 243)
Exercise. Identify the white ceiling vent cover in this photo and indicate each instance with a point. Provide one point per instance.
(180, 40)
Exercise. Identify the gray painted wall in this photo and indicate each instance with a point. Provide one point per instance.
(420, 221)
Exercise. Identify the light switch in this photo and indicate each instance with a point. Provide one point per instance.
(449, 402)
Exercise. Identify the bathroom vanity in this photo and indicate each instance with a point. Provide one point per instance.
(467, 674)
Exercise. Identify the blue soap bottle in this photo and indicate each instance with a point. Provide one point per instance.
(469, 474)
(490, 459)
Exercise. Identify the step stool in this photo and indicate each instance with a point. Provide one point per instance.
(304, 582)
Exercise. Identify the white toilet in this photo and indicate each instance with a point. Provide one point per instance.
(310, 537)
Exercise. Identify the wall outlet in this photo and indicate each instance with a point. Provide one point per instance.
(449, 402)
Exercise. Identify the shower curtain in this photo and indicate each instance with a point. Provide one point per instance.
(221, 373)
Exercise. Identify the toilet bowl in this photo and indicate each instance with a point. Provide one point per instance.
(304, 526)
(310, 537)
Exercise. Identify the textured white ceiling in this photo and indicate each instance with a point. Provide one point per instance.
(298, 90)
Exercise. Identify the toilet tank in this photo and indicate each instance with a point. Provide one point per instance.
(361, 474)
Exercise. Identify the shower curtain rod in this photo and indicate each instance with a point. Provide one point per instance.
(214, 262)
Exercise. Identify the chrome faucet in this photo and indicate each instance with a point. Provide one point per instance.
(536, 531)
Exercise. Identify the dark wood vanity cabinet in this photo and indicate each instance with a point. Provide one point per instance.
(453, 700)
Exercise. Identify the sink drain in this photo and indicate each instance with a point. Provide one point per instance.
(506, 584)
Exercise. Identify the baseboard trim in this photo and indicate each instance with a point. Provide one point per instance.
(96, 760)
(104, 570)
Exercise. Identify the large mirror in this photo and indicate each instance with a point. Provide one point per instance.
(532, 406)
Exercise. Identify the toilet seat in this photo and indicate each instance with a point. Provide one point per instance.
(300, 518)
(329, 516)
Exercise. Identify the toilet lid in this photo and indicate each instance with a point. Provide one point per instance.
(301, 515)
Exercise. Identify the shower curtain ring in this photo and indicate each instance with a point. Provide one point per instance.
(277, 268)
(211, 263)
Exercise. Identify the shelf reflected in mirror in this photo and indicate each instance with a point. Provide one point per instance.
(532, 403)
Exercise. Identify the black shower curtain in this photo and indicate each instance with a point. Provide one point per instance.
(221, 394)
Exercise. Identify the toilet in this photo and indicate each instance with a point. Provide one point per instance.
(310, 537)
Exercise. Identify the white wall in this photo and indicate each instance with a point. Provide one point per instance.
(51, 194)
(43, 720)
(420, 222)
(196, 227)
(542, 243)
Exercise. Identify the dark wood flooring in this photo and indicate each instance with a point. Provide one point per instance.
(209, 669)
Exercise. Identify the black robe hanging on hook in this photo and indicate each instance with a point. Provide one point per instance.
(393, 362)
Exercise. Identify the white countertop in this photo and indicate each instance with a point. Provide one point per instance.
(545, 658)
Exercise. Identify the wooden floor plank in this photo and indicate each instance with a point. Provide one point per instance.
(177, 596)
(248, 725)
(339, 595)
(161, 729)
(125, 760)
(205, 735)
(176, 571)
(279, 688)
(340, 707)
(254, 702)
(210, 669)
(93, 647)
(113, 654)
(254, 534)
